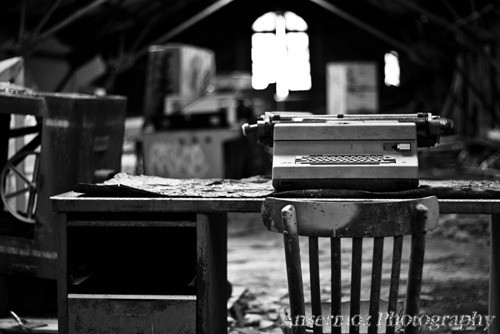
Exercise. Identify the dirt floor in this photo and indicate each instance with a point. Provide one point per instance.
(455, 273)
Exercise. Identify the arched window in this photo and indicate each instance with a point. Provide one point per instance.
(391, 69)
(280, 53)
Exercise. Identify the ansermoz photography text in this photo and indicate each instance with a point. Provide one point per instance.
(392, 319)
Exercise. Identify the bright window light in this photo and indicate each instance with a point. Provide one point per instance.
(391, 69)
(266, 22)
(294, 22)
(280, 53)
(263, 60)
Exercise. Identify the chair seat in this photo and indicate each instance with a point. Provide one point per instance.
(285, 322)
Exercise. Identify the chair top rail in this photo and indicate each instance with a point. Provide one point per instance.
(350, 218)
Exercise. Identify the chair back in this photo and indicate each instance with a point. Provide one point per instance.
(357, 220)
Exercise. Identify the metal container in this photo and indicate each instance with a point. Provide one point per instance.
(81, 139)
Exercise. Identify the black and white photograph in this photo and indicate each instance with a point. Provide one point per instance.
(250, 167)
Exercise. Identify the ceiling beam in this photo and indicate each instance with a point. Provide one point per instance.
(45, 18)
(471, 42)
(128, 59)
(70, 19)
(371, 30)
(186, 24)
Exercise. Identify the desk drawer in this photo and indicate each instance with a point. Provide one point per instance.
(92, 313)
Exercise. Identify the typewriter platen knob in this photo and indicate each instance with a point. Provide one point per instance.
(446, 126)
(248, 128)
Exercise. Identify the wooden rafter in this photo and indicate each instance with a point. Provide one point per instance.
(469, 41)
(45, 18)
(370, 29)
(70, 19)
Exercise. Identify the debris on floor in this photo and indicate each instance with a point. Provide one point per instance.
(456, 272)
(30, 325)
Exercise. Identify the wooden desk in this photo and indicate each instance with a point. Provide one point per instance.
(211, 222)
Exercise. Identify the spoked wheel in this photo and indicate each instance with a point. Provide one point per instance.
(26, 187)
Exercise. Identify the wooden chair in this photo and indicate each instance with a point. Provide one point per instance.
(337, 219)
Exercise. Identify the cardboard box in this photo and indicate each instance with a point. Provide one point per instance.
(351, 88)
(176, 69)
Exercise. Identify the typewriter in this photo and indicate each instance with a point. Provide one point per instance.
(376, 152)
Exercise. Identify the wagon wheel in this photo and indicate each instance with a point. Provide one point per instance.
(26, 214)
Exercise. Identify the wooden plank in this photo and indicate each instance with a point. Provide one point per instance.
(130, 297)
(62, 274)
(123, 185)
(21, 104)
(211, 281)
(452, 189)
(315, 281)
(103, 204)
(73, 201)
(138, 217)
(326, 218)
(294, 269)
(470, 206)
(123, 223)
(121, 315)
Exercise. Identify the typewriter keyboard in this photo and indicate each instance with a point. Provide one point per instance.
(337, 159)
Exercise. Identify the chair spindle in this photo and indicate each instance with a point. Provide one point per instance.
(315, 284)
(416, 268)
(378, 252)
(294, 275)
(394, 285)
(357, 250)
(336, 289)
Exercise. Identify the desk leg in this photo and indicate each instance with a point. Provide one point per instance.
(62, 277)
(494, 302)
(211, 308)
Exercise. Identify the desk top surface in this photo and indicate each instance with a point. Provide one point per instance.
(127, 193)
